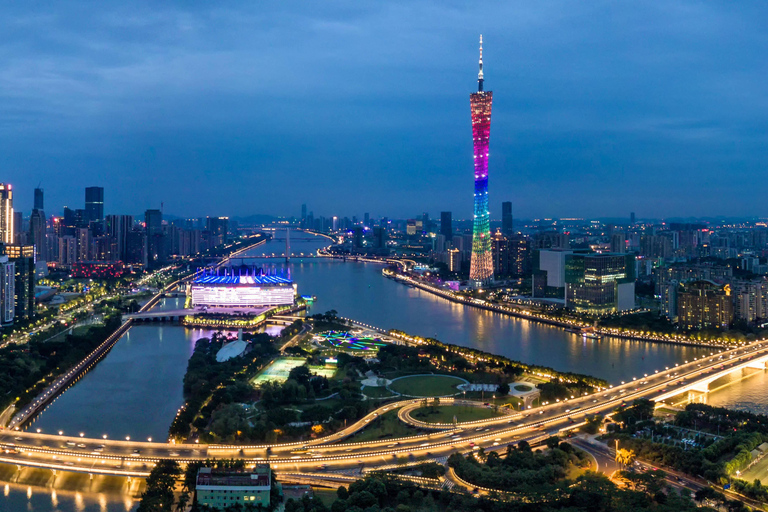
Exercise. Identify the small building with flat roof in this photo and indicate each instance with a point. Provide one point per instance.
(222, 488)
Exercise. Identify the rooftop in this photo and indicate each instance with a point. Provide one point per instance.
(242, 280)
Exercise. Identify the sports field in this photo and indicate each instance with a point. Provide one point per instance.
(278, 370)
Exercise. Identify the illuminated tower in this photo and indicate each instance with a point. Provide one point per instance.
(481, 268)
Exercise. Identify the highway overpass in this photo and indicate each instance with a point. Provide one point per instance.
(331, 453)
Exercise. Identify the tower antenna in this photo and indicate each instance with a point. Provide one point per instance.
(480, 74)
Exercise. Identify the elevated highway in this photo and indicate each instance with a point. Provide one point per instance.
(104, 456)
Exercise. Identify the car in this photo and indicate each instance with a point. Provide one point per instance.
(81, 445)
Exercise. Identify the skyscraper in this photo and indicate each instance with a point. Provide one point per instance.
(94, 204)
(6, 214)
(507, 228)
(481, 263)
(39, 204)
(446, 225)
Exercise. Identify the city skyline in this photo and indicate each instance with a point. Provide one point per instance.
(661, 111)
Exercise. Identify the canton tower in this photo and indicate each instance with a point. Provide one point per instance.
(481, 268)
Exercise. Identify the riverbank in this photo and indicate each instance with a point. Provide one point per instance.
(539, 318)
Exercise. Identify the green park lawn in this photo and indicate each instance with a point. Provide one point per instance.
(427, 385)
(445, 413)
(387, 425)
(377, 392)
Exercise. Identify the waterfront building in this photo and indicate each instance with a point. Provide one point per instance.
(481, 262)
(6, 214)
(136, 247)
(94, 204)
(549, 273)
(222, 488)
(704, 304)
(600, 284)
(7, 286)
(507, 225)
(248, 290)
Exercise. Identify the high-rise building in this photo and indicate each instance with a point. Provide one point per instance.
(39, 203)
(618, 242)
(703, 304)
(94, 204)
(153, 223)
(23, 258)
(446, 225)
(117, 228)
(7, 287)
(37, 233)
(218, 228)
(632, 219)
(6, 214)
(481, 263)
(507, 228)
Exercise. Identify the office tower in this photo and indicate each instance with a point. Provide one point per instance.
(600, 283)
(632, 219)
(117, 228)
(94, 204)
(7, 287)
(446, 225)
(39, 203)
(19, 234)
(136, 247)
(367, 220)
(506, 219)
(37, 233)
(6, 214)
(23, 258)
(303, 211)
(380, 237)
(153, 224)
(481, 263)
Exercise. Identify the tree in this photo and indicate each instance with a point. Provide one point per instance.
(503, 389)
(625, 457)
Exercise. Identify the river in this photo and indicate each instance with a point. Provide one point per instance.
(136, 389)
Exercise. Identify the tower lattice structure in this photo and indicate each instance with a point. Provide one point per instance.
(481, 267)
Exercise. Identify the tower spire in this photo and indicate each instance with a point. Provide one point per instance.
(480, 74)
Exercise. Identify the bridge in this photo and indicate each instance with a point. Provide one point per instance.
(728, 365)
(169, 315)
(332, 453)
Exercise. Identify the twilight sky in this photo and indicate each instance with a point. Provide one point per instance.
(238, 108)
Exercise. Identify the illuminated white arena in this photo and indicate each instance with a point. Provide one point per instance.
(248, 291)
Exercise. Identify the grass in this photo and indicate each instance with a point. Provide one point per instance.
(385, 426)
(523, 387)
(445, 413)
(327, 496)
(376, 392)
(427, 385)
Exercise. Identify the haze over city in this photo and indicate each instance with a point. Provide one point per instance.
(600, 108)
(397, 257)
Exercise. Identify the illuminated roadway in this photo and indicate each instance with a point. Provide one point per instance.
(130, 458)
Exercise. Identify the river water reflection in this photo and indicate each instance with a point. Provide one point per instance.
(136, 390)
